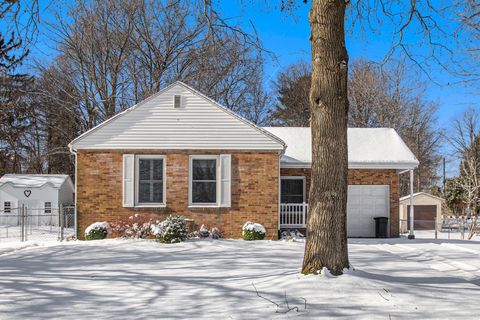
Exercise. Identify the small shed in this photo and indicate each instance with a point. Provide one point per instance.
(427, 210)
(41, 192)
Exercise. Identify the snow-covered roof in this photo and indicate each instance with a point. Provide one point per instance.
(421, 193)
(372, 148)
(34, 180)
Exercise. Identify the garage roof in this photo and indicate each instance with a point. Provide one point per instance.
(407, 197)
(34, 180)
(369, 148)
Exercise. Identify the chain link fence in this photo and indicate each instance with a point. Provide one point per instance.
(459, 228)
(23, 224)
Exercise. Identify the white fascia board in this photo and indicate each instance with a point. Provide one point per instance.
(358, 165)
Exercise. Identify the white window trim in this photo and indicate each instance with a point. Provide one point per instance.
(136, 176)
(295, 178)
(190, 181)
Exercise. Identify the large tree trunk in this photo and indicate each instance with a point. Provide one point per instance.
(326, 244)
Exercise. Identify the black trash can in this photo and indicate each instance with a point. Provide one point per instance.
(381, 227)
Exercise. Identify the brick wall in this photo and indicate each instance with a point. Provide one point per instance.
(254, 190)
(366, 177)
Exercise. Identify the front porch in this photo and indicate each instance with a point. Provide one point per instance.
(293, 215)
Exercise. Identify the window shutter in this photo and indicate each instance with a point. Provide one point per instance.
(225, 180)
(128, 179)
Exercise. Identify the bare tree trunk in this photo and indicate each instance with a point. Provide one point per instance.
(326, 244)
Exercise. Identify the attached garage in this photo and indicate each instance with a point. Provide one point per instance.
(376, 159)
(365, 202)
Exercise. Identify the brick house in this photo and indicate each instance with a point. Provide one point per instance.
(179, 152)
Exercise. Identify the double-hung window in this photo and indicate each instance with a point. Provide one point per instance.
(209, 184)
(150, 180)
(47, 207)
(204, 180)
(7, 207)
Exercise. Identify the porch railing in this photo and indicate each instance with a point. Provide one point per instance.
(293, 215)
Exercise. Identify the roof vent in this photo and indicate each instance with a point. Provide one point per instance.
(177, 101)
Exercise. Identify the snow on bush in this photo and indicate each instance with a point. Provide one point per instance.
(96, 231)
(216, 233)
(171, 230)
(204, 232)
(137, 226)
(253, 231)
(292, 235)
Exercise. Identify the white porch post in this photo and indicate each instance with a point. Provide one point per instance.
(411, 234)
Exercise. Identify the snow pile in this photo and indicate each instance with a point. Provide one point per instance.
(253, 231)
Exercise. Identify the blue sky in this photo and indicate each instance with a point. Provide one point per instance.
(287, 37)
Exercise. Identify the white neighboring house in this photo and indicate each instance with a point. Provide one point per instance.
(41, 194)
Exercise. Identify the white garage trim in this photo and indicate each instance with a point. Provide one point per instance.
(364, 203)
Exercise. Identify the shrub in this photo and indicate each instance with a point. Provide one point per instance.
(292, 235)
(96, 231)
(203, 232)
(253, 231)
(215, 233)
(171, 230)
(137, 226)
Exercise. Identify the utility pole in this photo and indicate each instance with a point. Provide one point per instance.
(444, 176)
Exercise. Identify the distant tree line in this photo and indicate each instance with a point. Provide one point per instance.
(111, 55)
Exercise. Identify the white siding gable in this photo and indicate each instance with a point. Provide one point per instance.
(200, 123)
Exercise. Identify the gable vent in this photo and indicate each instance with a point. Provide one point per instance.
(177, 101)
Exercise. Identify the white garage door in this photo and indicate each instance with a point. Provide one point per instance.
(364, 203)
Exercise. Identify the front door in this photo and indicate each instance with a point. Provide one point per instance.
(293, 210)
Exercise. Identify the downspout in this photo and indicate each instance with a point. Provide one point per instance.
(279, 190)
(280, 154)
(72, 151)
(411, 234)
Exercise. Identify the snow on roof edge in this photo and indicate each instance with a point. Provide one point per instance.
(22, 180)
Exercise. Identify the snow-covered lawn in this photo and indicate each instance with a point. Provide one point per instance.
(34, 233)
(212, 279)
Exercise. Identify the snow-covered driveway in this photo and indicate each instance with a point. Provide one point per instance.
(121, 279)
